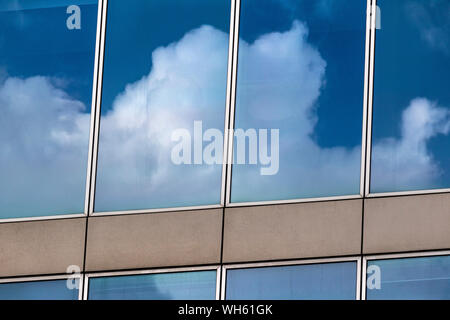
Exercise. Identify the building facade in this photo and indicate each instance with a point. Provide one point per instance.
(226, 149)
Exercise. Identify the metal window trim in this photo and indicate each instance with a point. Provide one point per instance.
(101, 274)
(96, 121)
(393, 256)
(356, 259)
(371, 12)
(94, 106)
(156, 210)
(293, 201)
(43, 218)
(47, 278)
(232, 103)
(407, 193)
(227, 136)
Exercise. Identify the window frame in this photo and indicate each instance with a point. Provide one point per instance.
(90, 166)
(368, 194)
(87, 276)
(394, 256)
(356, 259)
(48, 278)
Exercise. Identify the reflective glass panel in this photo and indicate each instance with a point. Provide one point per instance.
(47, 50)
(164, 86)
(333, 281)
(411, 107)
(409, 279)
(300, 71)
(39, 290)
(197, 285)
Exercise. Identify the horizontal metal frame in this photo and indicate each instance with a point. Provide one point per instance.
(47, 278)
(159, 210)
(43, 218)
(291, 201)
(356, 259)
(407, 193)
(87, 276)
(394, 256)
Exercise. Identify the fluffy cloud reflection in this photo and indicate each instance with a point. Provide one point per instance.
(43, 148)
(44, 132)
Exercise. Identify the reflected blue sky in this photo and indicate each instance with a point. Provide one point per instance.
(197, 285)
(411, 112)
(46, 73)
(38, 290)
(412, 279)
(301, 70)
(162, 72)
(330, 281)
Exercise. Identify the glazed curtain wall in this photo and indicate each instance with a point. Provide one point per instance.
(96, 99)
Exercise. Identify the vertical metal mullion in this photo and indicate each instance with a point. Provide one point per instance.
(227, 102)
(93, 107)
(358, 278)
(218, 282)
(364, 279)
(365, 100)
(85, 287)
(370, 52)
(232, 102)
(97, 109)
(370, 96)
(223, 283)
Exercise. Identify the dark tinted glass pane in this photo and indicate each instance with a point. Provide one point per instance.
(301, 71)
(46, 71)
(408, 279)
(199, 285)
(165, 68)
(38, 290)
(314, 281)
(411, 111)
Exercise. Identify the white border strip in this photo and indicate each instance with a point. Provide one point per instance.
(232, 105)
(93, 107)
(97, 109)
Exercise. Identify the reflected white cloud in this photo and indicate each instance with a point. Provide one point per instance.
(44, 146)
(187, 83)
(406, 161)
(44, 131)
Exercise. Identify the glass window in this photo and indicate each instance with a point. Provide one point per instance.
(46, 71)
(411, 107)
(300, 71)
(409, 279)
(163, 104)
(310, 281)
(197, 285)
(39, 290)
